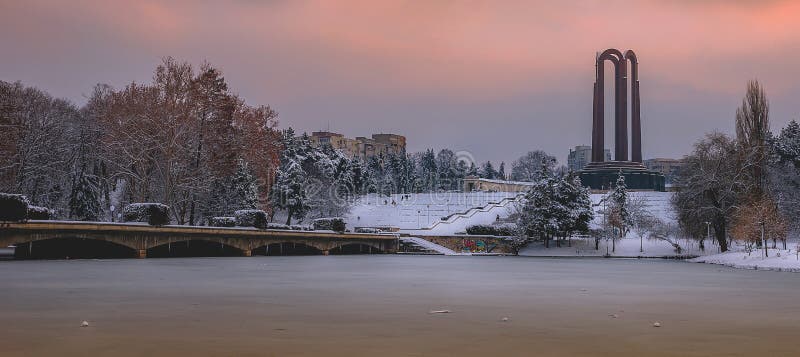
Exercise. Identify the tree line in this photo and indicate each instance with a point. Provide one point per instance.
(178, 140)
(742, 187)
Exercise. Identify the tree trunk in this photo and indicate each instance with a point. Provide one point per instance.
(288, 217)
(719, 233)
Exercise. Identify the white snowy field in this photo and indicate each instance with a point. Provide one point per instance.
(778, 259)
(424, 210)
(628, 247)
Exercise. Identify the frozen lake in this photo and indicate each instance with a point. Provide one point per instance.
(380, 304)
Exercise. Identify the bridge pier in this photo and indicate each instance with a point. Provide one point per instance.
(326, 252)
(141, 253)
(247, 253)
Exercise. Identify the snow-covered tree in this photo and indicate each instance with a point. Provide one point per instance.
(783, 173)
(487, 171)
(84, 199)
(713, 183)
(528, 166)
(619, 215)
(501, 172)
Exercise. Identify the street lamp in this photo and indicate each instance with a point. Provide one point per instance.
(763, 242)
(708, 235)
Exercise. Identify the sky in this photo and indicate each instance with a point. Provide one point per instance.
(493, 78)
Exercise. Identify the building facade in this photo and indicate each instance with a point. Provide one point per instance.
(361, 147)
(668, 167)
(581, 155)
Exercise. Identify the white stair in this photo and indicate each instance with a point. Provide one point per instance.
(428, 245)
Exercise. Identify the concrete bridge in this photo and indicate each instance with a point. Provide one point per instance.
(141, 241)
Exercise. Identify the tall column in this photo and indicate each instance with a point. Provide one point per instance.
(597, 128)
(621, 125)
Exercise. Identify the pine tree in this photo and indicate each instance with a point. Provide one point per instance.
(244, 188)
(501, 172)
(575, 198)
(540, 213)
(619, 215)
(488, 171)
(84, 200)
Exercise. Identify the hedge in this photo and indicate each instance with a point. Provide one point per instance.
(222, 221)
(278, 226)
(40, 213)
(492, 230)
(251, 218)
(155, 214)
(13, 207)
(367, 230)
(335, 224)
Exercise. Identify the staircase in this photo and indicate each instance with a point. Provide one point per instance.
(427, 247)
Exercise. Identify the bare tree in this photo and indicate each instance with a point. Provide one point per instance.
(752, 130)
(714, 179)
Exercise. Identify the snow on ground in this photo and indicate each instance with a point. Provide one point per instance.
(422, 210)
(628, 247)
(779, 259)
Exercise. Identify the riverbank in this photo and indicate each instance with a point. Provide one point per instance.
(778, 260)
(381, 304)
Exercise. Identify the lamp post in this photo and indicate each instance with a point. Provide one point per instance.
(763, 242)
(708, 235)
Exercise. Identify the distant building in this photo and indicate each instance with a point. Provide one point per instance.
(474, 183)
(668, 167)
(362, 147)
(582, 155)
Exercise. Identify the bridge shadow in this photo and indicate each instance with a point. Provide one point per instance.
(354, 249)
(72, 248)
(193, 248)
(286, 248)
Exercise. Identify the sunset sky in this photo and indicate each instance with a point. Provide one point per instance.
(493, 78)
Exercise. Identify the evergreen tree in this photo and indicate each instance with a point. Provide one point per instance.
(619, 215)
(539, 214)
(428, 170)
(575, 198)
(488, 171)
(84, 200)
(501, 172)
(244, 187)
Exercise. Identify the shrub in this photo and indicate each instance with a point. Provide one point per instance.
(277, 226)
(367, 230)
(492, 230)
(251, 218)
(40, 213)
(301, 227)
(13, 208)
(335, 224)
(155, 214)
(222, 221)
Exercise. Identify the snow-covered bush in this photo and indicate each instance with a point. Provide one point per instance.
(222, 222)
(40, 213)
(155, 214)
(493, 230)
(251, 218)
(335, 224)
(13, 207)
(301, 227)
(367, 230)
(278, 226)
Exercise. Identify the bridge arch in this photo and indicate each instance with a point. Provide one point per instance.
(358, 247)
(193, 248)
(280, 248)
(71, 247)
